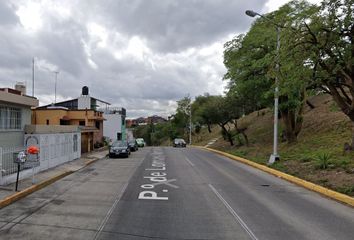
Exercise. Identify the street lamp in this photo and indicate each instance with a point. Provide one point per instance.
(190, 124)
(274, 156)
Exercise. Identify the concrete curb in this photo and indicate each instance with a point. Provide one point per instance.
(19, 195)
(298, 181)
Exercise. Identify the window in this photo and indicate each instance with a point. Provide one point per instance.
(10, 118)
(82, 123)
(98, 124)
(47, 121)
(64, 122)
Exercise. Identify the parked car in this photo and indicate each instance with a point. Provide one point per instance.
(141, 142)
(179, 142)
(118, 149)
(133, 145)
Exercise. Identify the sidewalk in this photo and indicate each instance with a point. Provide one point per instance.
(42, 179)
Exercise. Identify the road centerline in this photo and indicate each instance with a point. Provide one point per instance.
(233, 213)
(189, 161)
(109, 213)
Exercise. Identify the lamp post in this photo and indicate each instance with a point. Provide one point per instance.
(190, 124)
(55, 86)
(274, 156)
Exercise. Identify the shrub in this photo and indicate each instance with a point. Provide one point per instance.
(323, 160)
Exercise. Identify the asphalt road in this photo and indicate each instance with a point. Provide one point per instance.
(175, 193)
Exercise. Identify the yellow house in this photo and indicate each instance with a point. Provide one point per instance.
(89, 121)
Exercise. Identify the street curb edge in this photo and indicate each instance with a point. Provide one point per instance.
(298, 181)
(19, 195)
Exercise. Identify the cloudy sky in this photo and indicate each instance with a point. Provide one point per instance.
(139, 54)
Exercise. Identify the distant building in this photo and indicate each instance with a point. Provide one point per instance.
(15, 113)
(141, 121)
(155, 119)
(131, 123)
(145, 121)
(81, 111)
(114, 125)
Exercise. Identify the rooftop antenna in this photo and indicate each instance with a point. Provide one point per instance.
(55, 86)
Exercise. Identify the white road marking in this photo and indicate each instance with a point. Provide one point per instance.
(189, 161)
(234, 214)
(109, 213)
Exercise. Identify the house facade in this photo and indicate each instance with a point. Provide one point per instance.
(82, 112)
(90, 122)
(15, 113)
(114, 125)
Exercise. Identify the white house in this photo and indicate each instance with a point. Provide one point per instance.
(114, 124)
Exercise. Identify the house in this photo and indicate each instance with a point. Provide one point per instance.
(82, 112)
(15, 113)
(114, 127)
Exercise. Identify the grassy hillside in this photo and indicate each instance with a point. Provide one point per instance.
(318, 155)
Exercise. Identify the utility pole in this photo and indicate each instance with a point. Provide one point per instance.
(55, 87)
(274, 156)
(190, 124)
(33, 77)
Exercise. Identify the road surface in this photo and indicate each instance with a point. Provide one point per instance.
(175, 193)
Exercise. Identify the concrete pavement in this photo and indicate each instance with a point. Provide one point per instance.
(74, 207)
(26, 186)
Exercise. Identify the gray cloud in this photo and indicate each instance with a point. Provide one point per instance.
(171, 25)
(141, 54)
(7, 15)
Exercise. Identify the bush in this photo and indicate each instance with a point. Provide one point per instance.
(323, 160)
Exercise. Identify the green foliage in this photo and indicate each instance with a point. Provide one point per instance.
(251, 61)
(346, 189)
(323, 160)
(334, 107)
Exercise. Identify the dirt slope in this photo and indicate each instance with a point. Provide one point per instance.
(317, 156)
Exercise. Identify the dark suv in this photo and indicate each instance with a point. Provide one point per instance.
(133, 145)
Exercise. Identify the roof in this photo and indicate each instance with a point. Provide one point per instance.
(71, 100)
(101, 101)
(13, 96)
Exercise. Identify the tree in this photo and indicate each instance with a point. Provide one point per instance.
(200, 112)
(180, 120)
(327, 36)
(223, 110)
(251, 63)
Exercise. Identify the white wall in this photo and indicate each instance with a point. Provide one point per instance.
(130, 135)
(55, 149)
(112, 125)
(83, 102)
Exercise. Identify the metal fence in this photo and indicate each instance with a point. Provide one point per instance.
(7, 164)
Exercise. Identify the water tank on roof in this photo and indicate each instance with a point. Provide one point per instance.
(85, 90)
(20, 86)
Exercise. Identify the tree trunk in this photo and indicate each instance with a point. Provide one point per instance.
(209, 127)
(289, 131)
(292, 119)
(228, 135)
(246, 138)
(310, 104)
(242, 131)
